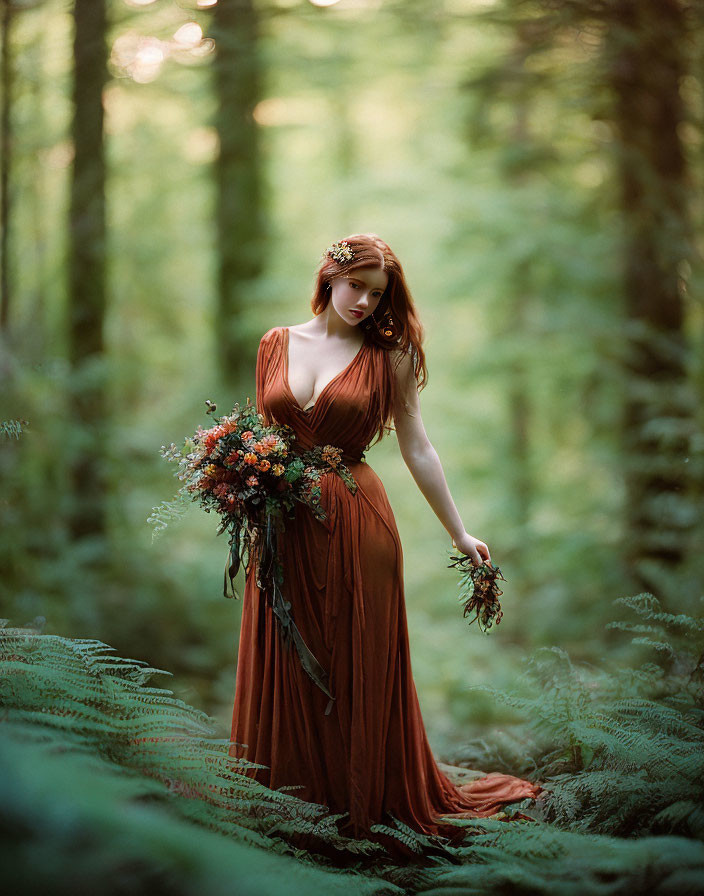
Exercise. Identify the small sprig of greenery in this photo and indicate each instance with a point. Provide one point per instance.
(479, 591)
(12, 428)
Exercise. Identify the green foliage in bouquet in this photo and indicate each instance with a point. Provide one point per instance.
(249, 472)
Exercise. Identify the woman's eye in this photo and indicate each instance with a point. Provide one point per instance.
(353, 285)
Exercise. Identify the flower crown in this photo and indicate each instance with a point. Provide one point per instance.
(341, 252)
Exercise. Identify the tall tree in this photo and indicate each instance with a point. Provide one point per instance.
(87, 261)
(6, 11)
(518, 169)
(638, 53)
(645, 63)
(238, 177)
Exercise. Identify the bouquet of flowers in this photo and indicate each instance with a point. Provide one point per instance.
(480, 591)
(249, 474)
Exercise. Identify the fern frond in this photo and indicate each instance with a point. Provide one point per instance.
(619, 745)
(404, 838)
(648, 606)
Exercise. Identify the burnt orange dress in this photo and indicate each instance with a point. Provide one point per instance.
(344, 577)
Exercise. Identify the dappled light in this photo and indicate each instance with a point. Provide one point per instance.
(139, 57)
(189, 35)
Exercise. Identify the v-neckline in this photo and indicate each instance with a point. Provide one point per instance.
(326, 386)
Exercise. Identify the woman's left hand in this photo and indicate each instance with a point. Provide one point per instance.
(476, 550)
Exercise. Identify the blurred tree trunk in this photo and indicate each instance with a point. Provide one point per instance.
(86, 303)
(520, 158)
(645, 47)
(6, 103)
(36, 194)
(520, 301)
(239, 213)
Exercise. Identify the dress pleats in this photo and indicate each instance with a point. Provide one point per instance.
(344, 577)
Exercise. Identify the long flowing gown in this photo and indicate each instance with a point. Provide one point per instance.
(344, 577)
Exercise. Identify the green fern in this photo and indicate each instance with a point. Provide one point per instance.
(72, 688)
(409, 840)
(76, 696)
(536, 859)
(619, 748)
(104, 772)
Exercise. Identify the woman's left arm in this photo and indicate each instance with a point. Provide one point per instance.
(422, 460)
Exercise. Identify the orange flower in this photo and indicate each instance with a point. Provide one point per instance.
(252, 480)
(278, 469)
(267, 444)
(331, 455)
(229, 424)
(264, 465)
(250, 458)
(247, 435)
(212, 435)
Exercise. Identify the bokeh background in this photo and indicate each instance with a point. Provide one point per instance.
(171, 174)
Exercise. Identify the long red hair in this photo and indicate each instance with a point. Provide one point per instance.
(396, 310)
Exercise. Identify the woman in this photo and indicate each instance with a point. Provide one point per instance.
(339, 379)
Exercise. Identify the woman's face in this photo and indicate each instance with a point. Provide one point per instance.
(358, 291)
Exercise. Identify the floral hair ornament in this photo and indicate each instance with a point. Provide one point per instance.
(341, 252)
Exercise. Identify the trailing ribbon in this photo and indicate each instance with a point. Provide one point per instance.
(269, 577)
(232, 565)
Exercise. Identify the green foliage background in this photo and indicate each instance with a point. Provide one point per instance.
(499, 196)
